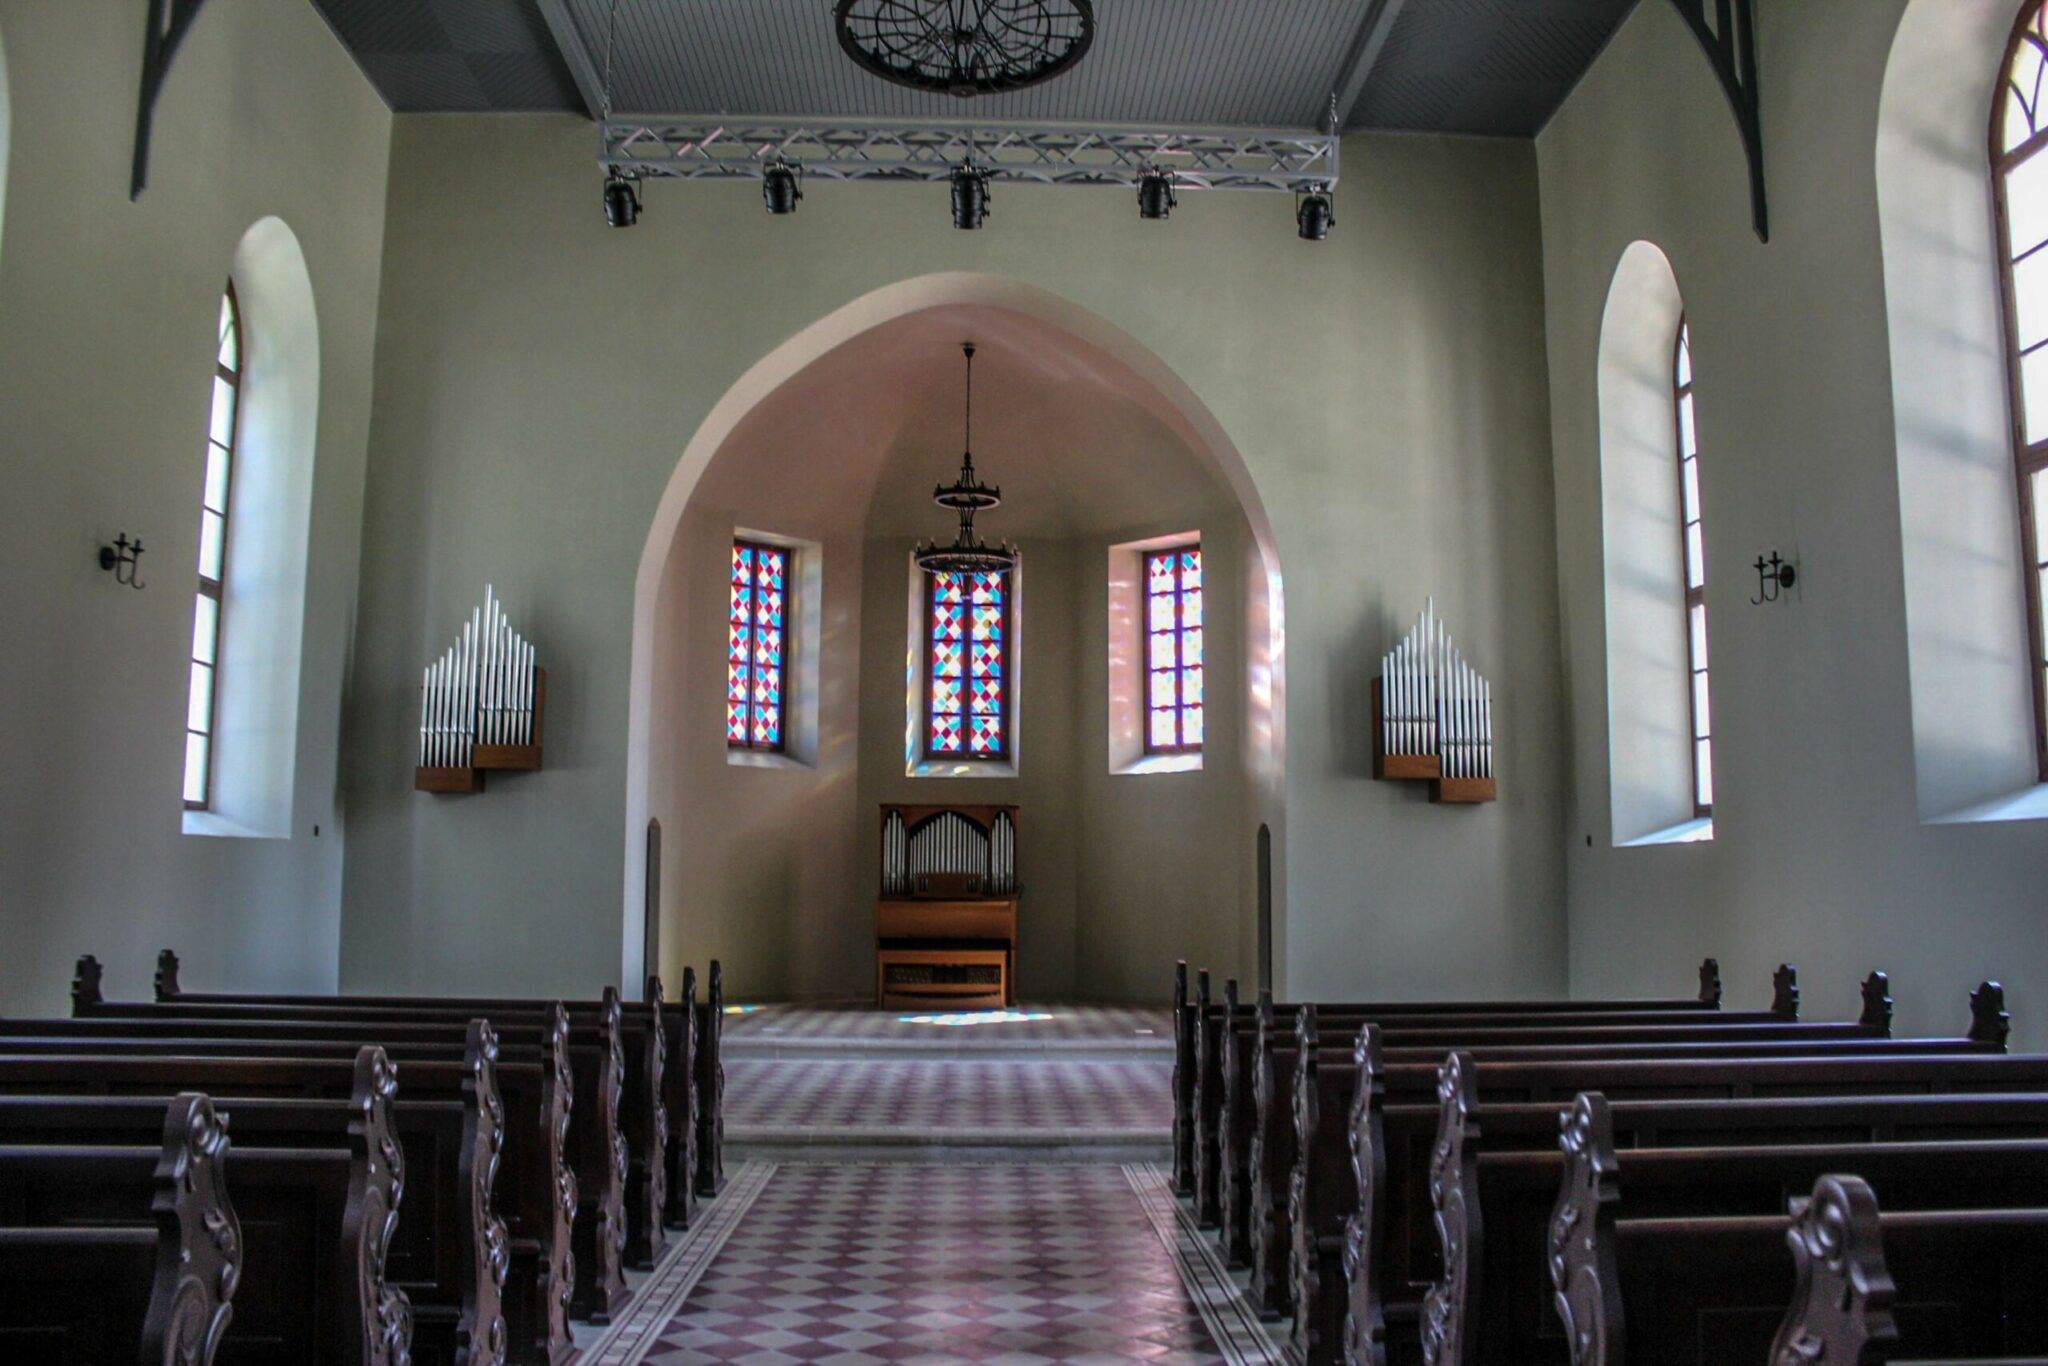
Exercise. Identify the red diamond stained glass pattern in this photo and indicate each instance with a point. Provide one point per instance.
(967, 679)
(1173, 651)
(756, 646)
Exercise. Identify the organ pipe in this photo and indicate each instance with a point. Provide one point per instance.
(480, 691)
(1434, 705)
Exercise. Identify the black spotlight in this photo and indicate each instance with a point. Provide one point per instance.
(621, 201)
(1314, 216)
(970, 198)
(779, 189)
(1155, 195)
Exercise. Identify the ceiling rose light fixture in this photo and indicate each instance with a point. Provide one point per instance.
(779, 188)
(1313, 214)
(1156, 198)
(970, 197)
(966, 47)
(967, 495)
(621, 201)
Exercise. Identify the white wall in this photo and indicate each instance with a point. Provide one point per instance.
(1386, 390)
(1820, 854)
(107, 316)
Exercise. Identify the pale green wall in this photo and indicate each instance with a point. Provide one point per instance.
(107, 314)
(1819, 854)
(539, 376)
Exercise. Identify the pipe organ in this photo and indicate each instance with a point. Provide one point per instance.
(946, 919)
(1433, 717)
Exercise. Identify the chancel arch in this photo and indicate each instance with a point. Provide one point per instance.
(835, 441)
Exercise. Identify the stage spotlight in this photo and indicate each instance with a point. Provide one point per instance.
(970, 198)
(1156, 198)
(621, 201)
(1314, 216)
(779, 188)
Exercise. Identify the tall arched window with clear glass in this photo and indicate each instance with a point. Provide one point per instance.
(2019, 134)
(203, 701)
(1692, 532)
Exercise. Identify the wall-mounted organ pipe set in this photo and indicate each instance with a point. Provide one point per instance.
(1433, 716)
(480, 704)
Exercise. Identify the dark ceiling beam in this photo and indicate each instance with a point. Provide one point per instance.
(1363, 57)
(1729, 41)
(569, 40)
(169, 21)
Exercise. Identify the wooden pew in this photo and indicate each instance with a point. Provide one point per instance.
(595, 1145)
(448, 1255)
(155, 1282)
(1272, 1151)
(1502, 1221)
(1224, 1047)
(659, 1105)
(529, 1265)
(303, 1251)
(1191, 1022)
(1971, 1278)
(1390, 1255)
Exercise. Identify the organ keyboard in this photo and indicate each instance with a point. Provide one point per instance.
(946, 919)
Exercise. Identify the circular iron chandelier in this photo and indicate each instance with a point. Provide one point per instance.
(966, 47)
(967, 495)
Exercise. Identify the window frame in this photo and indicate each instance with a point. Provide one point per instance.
(216, 588)
(747, 743)
(1180, 629)
(1002, 754)
(2029, 459)
(1684, 382)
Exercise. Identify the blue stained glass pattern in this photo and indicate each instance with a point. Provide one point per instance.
(967, 678)
(1173, 651)
(756, 646)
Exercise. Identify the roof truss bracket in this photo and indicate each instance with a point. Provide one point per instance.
(1729, 40)
(169, 22)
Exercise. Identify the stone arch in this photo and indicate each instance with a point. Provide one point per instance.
(1264, 731)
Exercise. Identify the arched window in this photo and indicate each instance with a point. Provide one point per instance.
(202, 703)
(1692, 533)
(2019, 133)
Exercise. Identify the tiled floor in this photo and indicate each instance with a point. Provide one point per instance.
(840, 1024)
(1041, 1096)
(1015, 1264)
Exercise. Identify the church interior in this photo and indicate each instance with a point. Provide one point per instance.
(1101, 680)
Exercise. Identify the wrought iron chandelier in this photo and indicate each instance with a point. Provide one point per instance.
(967, 495)
(966, 47)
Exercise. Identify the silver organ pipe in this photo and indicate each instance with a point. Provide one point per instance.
(480, 691)
(1433, 703)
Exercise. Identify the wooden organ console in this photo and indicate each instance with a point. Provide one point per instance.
(946, 921)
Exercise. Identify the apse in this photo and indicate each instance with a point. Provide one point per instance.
(770, 856)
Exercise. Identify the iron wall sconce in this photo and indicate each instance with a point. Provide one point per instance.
(1773, 577)
(123, 560)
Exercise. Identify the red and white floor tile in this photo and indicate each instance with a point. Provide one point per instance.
(1013, 1264)
(862, 1094)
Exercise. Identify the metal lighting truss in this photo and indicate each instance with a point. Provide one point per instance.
(696, 148)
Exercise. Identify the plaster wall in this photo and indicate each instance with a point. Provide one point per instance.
(1386, 391)
(107, 316)
(1820, 855)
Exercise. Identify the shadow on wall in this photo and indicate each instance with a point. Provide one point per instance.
(1966, 634)
(834, 378)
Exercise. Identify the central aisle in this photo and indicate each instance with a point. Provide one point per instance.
(902, 1191)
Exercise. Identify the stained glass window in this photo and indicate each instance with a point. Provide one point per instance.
(1692, 532)
(201, 699)
(756, 646)
(967, 682)
(2020, 171)
(1173, 651)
